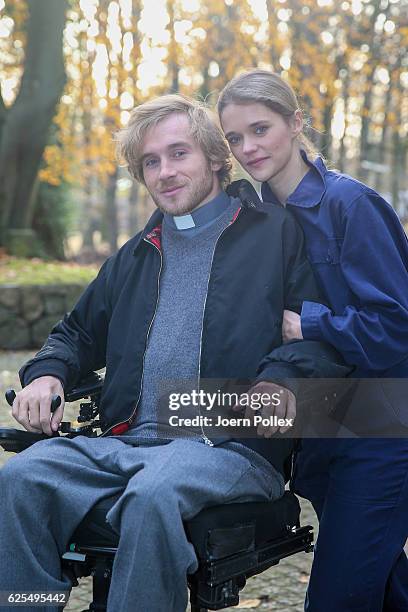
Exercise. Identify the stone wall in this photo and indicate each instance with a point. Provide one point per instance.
(27, 313)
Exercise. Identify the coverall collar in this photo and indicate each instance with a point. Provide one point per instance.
(309, 191)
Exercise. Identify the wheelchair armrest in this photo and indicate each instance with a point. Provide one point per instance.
(89, 386)
(17, 440)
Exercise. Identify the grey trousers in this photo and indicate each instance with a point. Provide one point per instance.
(46, 491)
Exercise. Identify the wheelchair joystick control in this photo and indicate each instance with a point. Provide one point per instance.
(11, 396)
(55, 402)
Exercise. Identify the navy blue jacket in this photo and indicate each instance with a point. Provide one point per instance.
(241, 327)
(359, 254)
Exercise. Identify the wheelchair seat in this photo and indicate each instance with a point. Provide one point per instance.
(232, 541)
(216, 532)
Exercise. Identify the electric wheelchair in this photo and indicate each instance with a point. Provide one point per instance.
(233, 541)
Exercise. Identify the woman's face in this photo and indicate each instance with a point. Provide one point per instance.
(262, 141)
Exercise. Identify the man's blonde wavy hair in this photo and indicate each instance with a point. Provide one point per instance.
(204, 129)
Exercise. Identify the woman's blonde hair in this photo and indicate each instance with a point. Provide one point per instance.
(267, 88)
(204, 130)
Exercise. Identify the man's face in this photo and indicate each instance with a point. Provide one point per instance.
(176, 172)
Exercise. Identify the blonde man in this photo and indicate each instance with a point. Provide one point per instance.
(180, 301)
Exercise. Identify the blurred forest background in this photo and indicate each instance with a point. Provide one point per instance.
(71, 71)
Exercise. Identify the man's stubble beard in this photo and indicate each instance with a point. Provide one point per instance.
(194, 198)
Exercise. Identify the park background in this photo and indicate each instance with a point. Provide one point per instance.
(70, 73)
(72, 70)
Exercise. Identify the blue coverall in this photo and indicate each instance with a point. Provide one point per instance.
(358, 487)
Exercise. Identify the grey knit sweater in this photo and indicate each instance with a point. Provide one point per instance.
(172, 356)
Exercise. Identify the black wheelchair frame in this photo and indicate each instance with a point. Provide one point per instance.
(233, 542)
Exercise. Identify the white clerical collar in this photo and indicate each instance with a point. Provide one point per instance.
(184, 222)
(200, 216)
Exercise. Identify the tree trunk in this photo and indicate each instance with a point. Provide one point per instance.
(174, 67)
(375, 58)
(3, 203)
(134, 205)
(346, 96)
(273, 33)
(3, 113)
(91, 223)
(90, 195)
(396, 165)
(326, 136)
(25, 131)
(111, 212)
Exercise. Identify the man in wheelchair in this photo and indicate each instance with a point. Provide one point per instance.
(198, 294)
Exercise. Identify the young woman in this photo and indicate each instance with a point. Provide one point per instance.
(359, 253)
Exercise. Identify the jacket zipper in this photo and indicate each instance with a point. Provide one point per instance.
(129, 420)
(235, 217)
